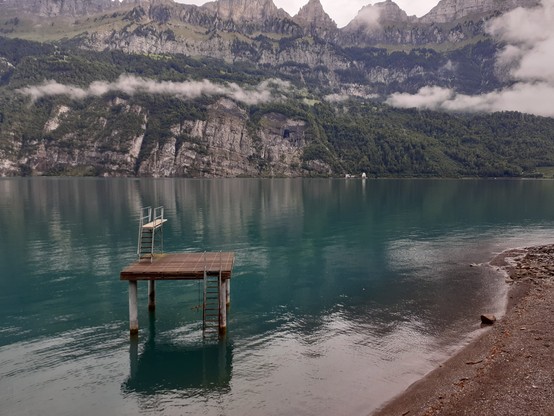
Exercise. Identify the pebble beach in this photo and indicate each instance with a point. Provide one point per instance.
(509, 368)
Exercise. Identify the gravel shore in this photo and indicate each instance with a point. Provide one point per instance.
(509, 369)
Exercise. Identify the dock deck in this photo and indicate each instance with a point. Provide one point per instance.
(214, 268)
(181, 266)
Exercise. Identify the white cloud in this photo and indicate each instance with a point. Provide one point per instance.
(430, 98)
(264, 92)
(522, 97)
(368, 18)
(527, 60)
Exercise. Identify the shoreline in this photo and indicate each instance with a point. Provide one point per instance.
(509, 368)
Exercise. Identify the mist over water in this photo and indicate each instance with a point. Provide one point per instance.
(343, 293)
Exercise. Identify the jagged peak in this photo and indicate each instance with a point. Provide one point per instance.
(312, 14)
(450, 10)
(373, 16)
(246, 10)
(52, 8)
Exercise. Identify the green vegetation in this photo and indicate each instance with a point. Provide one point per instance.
(385, 141)
(354, 136)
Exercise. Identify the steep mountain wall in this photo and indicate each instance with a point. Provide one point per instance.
(447, 11)
(223, 144)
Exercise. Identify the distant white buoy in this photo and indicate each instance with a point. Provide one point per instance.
(364, 175)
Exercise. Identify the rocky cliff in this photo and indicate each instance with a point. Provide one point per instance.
(223, 143)
(382, 23)
(315, 20)
(51, 8)
(232, 44)
(447, 11)
(241, 11)
(308, 46)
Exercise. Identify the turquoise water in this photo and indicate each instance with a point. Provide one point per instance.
(344, 291)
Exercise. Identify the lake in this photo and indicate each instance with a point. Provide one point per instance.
(344, 292)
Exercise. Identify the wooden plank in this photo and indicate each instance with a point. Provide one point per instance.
(181, 266)
(154, 224)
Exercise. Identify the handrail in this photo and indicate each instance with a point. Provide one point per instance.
(145, 215)
(159, 213)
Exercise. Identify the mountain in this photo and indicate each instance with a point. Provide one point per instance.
(315, 20)
(371, 24)
(241, 11)
(385, 23)
(308, 46)
(51, 8)
(379, 14)
(447, 11)
(236, 88)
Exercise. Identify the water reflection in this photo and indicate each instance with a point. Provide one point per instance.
(163, 366)
(338, 285)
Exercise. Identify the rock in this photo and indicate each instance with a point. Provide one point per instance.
(246, 10)
(488, 319)
(451, 10)
(313, 17)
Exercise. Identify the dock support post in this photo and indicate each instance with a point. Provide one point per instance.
(151, 295)
(133, 307)
(222, 307)
(228, 290)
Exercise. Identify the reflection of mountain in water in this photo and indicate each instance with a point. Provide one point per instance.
(163, 366)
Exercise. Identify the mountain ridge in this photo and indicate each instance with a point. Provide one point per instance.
(199, 102)
(446, 11)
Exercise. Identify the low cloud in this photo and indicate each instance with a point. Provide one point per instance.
(336, 98)
(522, 97)
(264, 92)
(368, 18)
(527, 61)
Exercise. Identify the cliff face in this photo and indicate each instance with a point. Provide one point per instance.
(74, 8)
(263, 41)
(383, 22)
(315, 20)
(224, 144)
(246, 10)
(451, 10)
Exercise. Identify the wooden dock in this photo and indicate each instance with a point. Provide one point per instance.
(182, 266)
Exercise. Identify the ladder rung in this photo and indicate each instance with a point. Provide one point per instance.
(211, 306)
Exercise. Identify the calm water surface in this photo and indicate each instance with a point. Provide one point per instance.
(344, 292)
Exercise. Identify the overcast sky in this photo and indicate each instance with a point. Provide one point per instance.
(344, 11)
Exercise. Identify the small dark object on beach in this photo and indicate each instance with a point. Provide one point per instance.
(488, 319)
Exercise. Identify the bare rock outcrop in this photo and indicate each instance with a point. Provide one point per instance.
(313, 18)
(451, 10)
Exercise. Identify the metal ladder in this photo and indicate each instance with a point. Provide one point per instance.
(150, 234)
(212, 299)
